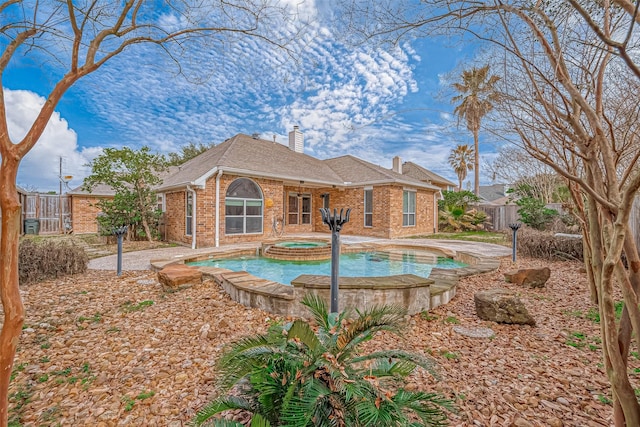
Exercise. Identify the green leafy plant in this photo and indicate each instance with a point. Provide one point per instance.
(428, 317)
(452, 319)
(96, 318)
(16, 369)
(604, 399)
(534, 213)
(132, 174)
(594, 315)
(457, 199)
(129, 307)
(297, 376)
(129, 402)
(454, 214)
(573, 313)
(19, 399)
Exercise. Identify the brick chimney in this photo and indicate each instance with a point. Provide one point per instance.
(296, 140)
(397, 164)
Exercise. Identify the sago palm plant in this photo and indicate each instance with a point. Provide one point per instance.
(297, 376)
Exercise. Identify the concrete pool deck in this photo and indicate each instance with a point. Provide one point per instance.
(141, 260)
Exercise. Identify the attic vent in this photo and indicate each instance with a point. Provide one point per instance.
(255, 135)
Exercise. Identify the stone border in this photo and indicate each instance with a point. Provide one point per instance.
(414, 292)
(272, 249)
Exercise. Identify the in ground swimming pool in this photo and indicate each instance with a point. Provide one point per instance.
(359, 264)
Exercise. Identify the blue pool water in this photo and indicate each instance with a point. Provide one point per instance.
(302, 245)
(361, 264)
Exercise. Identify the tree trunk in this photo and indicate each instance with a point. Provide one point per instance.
(476, 163)
(9, 286)
(147, 230)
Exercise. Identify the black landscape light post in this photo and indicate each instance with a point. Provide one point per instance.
(335, 224)
(515, 228)
(120, 232)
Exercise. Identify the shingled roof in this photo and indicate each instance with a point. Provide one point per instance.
(244, 154)
(355, 171)
(418, 172)
(104, 190)
(251, 156)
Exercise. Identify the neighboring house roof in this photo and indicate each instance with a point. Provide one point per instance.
(492, 193)
(418, 172)
(106, 190)
(21, 190)
(97, 190)
(251, 156)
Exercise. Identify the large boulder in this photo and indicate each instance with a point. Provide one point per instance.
(533, 277)
(502, 306)
(178, 276)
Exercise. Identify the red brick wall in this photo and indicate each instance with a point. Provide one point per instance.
(83, 213)
(174, 217)
(387, 211)
(387, 216)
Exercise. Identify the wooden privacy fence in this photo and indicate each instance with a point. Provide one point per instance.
(499, 217)
(502, 216)
(47, 208)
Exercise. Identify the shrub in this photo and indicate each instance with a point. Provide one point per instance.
(454, 214)
(457, 199)
(297, 376)
(457, 219)
(544, 245)
(534, 213)
(48, 259)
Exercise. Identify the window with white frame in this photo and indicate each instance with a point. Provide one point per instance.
(243, 207)
(408, 208)
(368, 207)
(160, 206)
(325, 200)
(189, 214)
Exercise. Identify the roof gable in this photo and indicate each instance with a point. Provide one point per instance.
(416, 171)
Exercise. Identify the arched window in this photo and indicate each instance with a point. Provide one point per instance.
(243, 207)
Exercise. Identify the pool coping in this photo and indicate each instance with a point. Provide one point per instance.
(417, 295)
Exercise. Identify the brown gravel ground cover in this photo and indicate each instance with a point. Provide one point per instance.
(103, 350)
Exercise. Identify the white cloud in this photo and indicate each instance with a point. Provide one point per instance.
(40, 167)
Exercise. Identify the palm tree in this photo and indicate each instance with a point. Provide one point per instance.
(298, 376)
(460, 160)
(477, 94)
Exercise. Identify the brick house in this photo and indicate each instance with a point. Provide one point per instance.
(234, 191)
(84, 209)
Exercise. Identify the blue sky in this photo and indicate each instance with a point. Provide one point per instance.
(370, 102)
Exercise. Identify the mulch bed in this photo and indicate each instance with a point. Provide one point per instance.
(103, 350)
